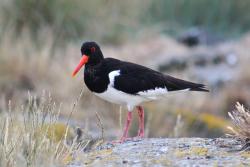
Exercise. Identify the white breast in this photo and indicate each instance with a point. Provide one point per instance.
(118, 97)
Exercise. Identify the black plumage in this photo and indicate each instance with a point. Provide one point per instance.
(126, 83)
(133, 78)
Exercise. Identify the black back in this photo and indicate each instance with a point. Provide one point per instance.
(133, 78)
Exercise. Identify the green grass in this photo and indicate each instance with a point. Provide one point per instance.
(224, 16)
(107, 21)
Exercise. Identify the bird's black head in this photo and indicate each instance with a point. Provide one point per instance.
(92, 51)
(91, 55)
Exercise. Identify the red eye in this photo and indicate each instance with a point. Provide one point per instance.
(92, 49)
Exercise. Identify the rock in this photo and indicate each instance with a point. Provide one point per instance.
(178, 64)
(169, 152)
(198, 36)
(214, 67)
(231, 59)
(25, 83)
(191, 38)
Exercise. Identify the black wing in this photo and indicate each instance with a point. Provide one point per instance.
(134, 78)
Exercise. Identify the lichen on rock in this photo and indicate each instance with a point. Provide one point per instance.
(169, 152)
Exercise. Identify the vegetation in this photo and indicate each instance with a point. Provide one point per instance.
(114, 21)
(35, 137)
(241, 122)
(97, 20)
(225, 16)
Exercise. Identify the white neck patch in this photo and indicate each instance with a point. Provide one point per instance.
(112, 76)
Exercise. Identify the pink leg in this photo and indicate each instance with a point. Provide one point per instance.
(141, 122)
(125, 132)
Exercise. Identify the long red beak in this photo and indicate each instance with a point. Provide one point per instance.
(83, 61)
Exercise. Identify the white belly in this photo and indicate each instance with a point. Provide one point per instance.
(118, 97)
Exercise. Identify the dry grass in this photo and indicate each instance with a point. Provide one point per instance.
(241, 122)
(36, 136)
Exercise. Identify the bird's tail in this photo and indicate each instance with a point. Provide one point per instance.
(175, 84)
(199, 87)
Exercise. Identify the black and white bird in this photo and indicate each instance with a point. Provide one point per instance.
(126, 83)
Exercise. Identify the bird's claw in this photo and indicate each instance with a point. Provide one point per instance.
(122, 140)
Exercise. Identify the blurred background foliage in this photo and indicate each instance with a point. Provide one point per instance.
(228, 17)
(114, 21)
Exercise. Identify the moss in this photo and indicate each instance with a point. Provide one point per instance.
(245, 154)
(100, 154)
(67, 159)
(189, 116)
(197, 151)
(56, 131)
(180, 153)
(213, 121)
(162, 160)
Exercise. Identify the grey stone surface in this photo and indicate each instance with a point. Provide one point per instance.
(183, 152)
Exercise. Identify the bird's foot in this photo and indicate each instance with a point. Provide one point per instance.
(140, 133)
(125, 133)
(122, 140)
(139, 137)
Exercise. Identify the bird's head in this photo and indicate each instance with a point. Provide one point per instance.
(91, 55)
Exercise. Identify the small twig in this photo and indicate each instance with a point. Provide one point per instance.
(120, 117)
(178, 126)
(245, 147)
(6, 133)
(100, 124)
(74, 105)
(9, 112)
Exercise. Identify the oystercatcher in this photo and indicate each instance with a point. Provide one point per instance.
(126, 83)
